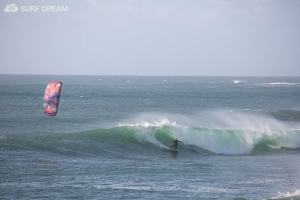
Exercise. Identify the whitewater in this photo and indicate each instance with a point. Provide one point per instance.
(112, 135)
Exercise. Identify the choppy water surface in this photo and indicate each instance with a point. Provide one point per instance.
(112, 134)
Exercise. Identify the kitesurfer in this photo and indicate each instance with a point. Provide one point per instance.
(175, 143)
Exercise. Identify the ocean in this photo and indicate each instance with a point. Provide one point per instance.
(112, 135)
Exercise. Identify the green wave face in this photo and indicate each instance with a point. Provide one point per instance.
(251, 135)
(157, 139)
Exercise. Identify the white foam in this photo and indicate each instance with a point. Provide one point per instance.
(155, 142)
(150, 187)
(148, 124)
(238, 81)
(280, 83)
(265, 181)
(296, 193)
(274, 147)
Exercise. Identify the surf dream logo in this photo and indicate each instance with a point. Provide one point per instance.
(11, 8)
(14, 8)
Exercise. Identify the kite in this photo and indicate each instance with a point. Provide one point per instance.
(51, 98)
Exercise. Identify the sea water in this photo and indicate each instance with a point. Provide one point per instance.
(112, 135)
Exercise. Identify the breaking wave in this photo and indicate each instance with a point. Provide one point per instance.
(230, 133)
(288, 195)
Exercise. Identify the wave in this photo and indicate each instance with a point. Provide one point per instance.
(131, 185)
(280, 83)
(239, 81)
(288, 195)
(229, 133)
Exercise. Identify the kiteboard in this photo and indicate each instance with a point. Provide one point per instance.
(174, 151)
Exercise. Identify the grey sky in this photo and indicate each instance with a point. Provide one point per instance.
(153, 37)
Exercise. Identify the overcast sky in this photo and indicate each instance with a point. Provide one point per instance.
(152, 37)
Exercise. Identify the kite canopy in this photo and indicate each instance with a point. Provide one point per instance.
(51, 98)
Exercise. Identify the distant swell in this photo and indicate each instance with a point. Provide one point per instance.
(280, 83)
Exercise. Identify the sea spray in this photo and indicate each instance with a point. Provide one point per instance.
(226, 132)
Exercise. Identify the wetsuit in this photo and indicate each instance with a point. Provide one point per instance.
(176, 144)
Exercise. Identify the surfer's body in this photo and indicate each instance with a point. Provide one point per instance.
(175, 143)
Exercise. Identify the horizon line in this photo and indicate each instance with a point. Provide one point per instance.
(155, 75)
